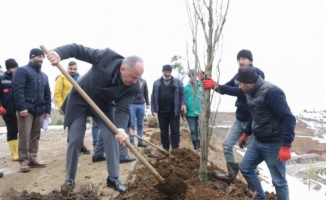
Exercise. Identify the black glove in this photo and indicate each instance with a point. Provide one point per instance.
(243, 144)
(243, 141)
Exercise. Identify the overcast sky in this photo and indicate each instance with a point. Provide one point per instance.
(286, 37)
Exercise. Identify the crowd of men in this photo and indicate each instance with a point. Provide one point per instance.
(263, 117)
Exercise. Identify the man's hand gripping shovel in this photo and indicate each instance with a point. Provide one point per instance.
(169, 186)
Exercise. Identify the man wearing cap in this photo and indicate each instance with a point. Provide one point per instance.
(243, 116)
(7, 110)
(168, 101)
(32, 97)
(273, 126)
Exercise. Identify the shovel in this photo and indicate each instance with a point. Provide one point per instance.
(153, 145)
(169, 186)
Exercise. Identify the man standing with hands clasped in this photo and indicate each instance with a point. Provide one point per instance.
(168, 102)
(273, 126)
(32, 97)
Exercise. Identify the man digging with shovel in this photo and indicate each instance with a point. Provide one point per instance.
(111, 84)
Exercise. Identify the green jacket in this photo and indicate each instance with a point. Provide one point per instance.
(193, 98)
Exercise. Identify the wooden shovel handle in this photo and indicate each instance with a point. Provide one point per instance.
(153, 145)
(106, 119)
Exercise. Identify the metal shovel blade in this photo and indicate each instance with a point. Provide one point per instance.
(172, 185)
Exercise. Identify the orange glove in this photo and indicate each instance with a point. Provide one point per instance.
(2, 111)
(284, 154)
(242, 142)
(208, 84)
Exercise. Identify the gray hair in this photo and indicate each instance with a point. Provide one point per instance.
(130, 61)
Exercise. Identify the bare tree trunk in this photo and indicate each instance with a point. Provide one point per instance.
(205, 139)
(210, 14)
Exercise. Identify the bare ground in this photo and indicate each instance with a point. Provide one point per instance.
(46, 183)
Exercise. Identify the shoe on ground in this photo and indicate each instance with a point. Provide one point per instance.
(71, 183)
(126, 159)
(142, 144)
(67, 187)
(116, 185)
(24, 167)
(84, 150)
(98, 159)
(36, 164)
(1, 174)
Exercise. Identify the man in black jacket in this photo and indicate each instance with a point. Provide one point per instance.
(243, 117)
(273, 126)
(112, 82)
(7, 110)
(168, 101)
(32, 97)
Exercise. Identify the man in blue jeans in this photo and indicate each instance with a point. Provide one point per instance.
(95, 133)
(243, 116)
(137, 112)
(273, 126)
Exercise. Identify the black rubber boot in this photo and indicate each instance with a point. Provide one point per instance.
(195, 145)
(198, 145)
(233, 169)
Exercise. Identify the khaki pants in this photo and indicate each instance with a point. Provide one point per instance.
(29, 128)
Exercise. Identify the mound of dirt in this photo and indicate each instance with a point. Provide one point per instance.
(184, 163)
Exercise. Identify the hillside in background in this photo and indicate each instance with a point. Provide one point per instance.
(310, 129)
(310, 132)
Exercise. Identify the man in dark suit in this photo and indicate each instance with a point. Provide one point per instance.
(111, 83)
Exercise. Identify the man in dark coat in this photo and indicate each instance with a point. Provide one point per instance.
(273, 126)
(32, 97)
(242, 115)
(7, 110)
(168, 101)
(111, 83)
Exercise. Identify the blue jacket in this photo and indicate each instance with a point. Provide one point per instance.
(193, 100)
(31, 90)
(179, 96)
(6, 98)
(232, 88)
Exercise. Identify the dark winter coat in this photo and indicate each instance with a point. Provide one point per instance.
(97, 84)
(179, 96)
(6, 96)
(31, 90)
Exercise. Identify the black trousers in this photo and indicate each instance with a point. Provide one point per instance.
(12, 128)
(169, 121)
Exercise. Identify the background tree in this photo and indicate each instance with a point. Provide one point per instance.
(176, 63)
(206, 21)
